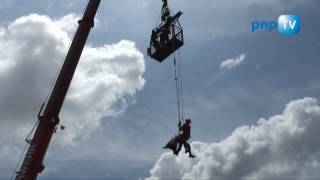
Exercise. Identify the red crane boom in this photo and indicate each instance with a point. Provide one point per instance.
(33, 161)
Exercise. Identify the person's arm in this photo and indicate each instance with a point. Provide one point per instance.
(183, 127)
(179, 125)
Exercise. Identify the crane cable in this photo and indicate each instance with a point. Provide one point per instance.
(180, 75)
(177, 74)
(178, 81)
(177, 85)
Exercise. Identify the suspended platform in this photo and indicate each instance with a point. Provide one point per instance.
(166, 38)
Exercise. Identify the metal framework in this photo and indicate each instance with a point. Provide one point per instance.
(166, 38)
(49, 117)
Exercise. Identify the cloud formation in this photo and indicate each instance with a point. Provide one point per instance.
(31, 49)
(285, 146)
(232, 63)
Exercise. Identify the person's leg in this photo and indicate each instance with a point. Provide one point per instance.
(186, 148)
(189, 149)
(176, 152)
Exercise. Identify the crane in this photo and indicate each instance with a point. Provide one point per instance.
(48, 116)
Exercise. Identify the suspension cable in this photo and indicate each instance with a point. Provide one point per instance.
(181, 87)
(177, 85)
(178, 81)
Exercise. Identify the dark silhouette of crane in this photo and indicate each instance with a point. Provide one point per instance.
(49, 114)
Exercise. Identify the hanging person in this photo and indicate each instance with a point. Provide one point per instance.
(154, 37)
(164, 36)
(183, 137)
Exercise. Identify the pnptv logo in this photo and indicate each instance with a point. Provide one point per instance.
(286, 25)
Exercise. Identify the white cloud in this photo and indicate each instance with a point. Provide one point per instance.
(31, 49)
(285, 146)
(232, 63)
(101, 84)
(68, 23)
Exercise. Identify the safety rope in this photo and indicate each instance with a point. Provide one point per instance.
(176, 78)
(181, 87)
(177, 72)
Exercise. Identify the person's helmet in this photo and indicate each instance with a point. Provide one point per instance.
(188, 120)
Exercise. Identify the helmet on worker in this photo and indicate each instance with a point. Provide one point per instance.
(188, 120)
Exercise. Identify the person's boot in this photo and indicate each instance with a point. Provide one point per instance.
(176, 152)
(191, 155)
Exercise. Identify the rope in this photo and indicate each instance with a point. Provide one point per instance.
(177, 71)
(177, 85)
(181, 87)
(178, 78)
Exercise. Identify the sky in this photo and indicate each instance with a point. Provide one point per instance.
(252, 96)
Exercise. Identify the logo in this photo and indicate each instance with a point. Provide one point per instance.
(286, 25)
